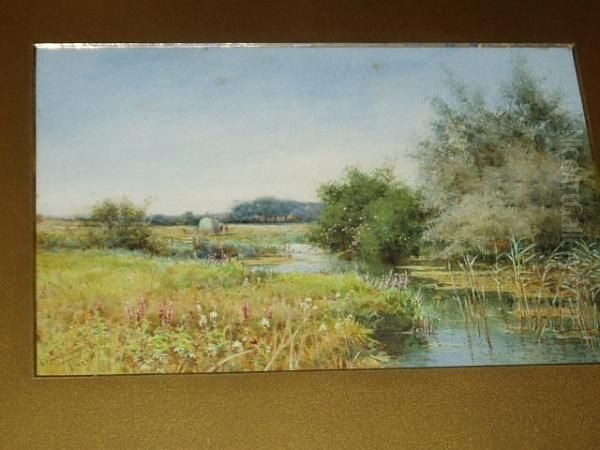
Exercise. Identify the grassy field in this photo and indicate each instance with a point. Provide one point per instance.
(245, 241)
(104, 312)
(265, 235)
(109, 311)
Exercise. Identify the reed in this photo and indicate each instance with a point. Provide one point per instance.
(472, 301)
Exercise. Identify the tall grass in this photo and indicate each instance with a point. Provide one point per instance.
(559, 291)
(101, 312)
(472, 301)
(581, 271)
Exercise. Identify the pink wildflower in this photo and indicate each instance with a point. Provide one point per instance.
(246, 310)
(170, 313)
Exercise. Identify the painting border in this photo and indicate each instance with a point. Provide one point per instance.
(479, 407)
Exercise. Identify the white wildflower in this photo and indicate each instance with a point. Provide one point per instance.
(212, 349)
(265, 323)
(213, 316)
(203, 321)
(323, 328)
(237, 346)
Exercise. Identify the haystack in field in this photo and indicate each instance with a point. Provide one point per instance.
(209, 225)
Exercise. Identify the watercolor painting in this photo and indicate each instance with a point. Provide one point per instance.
(232, 208)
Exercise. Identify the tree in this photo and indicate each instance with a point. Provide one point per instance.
(271, 209)
(490, 172)
(124, 224)
(369, 216)
(393, 227)
(188, 218)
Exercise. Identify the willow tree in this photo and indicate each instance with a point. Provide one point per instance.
(492, 171)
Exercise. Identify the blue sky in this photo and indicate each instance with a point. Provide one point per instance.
(200, 128)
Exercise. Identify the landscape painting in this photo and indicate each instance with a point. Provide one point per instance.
(246, 208)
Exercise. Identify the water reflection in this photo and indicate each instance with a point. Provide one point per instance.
(494, 339)
(456, 343)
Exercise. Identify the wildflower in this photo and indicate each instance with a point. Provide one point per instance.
(212, 349)
(264, 347)
(170, 313)
(213, 316)
(99, 305)
(338, 295)
(237, 346)
(161, 313)
(265, 323)
(323, 328)
(203, 321)
(198, 308)
(245, 310)
(130, 312)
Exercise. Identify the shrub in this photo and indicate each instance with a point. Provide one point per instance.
(124, 225)
(371, 216)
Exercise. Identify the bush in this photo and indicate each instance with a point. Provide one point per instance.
(124, 225)
(371, 216)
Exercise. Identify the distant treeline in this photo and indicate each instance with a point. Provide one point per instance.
(260, 210)
(271, 210)
(187, 218)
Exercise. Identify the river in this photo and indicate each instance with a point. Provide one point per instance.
(454, 342)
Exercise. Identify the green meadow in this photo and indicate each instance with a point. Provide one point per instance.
(116, 311)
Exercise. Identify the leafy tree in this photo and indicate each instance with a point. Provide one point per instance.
(271, 209)
(489, 172)
(371, 216)
(188, 218)
(124, 224)
(393, 227)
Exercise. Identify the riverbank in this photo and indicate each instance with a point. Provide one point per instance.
(108, 312)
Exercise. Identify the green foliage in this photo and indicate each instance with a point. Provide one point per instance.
(397, 310)
(371, 216)
(103, 312)
(271, 209)
(393, 228)
(493, 171)
(124, 225)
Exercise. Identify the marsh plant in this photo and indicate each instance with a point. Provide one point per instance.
(197, 316)
(473, 300)
(557, 291)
